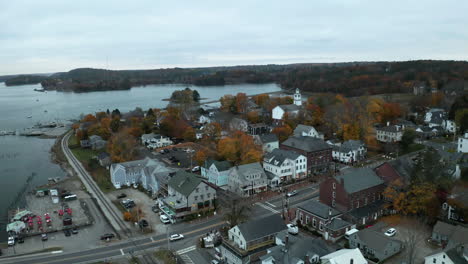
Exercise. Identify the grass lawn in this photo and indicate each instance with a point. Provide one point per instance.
(72, 140)
(412, 148)
(165, 256)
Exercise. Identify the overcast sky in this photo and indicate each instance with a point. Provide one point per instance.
(50, 36)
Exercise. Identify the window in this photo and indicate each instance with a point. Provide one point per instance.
(321, 226)
(208, 195)
(197, 189)
(334, 194)
(434, 260)
(334, 185)
(307, 220)
(206, 188)
(333, 203)
(351, 261)
(195, 197)
(314, 222)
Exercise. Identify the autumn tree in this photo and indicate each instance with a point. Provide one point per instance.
(189, 134)
(351, 131)
(115, 124)
(213, 131)
(253, 117)
(89, 118)
(461, 120)
(227, 103)
(100, 115)
(407, 139)
(239, 148)
(200, 157)
(261, 100)
(241, 103)
(122, 147)
(97, 129)
(282, 132)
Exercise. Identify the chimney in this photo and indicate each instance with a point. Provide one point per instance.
(307, 260)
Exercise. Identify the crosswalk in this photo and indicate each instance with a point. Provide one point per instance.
(267, 207)
(186, 250)
(186, 259)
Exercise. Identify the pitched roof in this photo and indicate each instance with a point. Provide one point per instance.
(103, 155)
(403, 166)
(308, 144)
(359, 179)
(290, 107)
(457, 234)
(262, 227)
(375, 240)
(302, 129)
(392, 129)
(460, 194)
(220, 165)
(387, 173)
(455, 256)
(319, 209)
(350, 145)
(278, 156)
(337, 224)
(247, 169)
(343, 256)
(268, 138)
(184, 182)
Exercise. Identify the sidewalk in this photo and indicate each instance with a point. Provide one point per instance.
(273, 193)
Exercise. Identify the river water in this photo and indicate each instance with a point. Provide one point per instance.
(25, 162)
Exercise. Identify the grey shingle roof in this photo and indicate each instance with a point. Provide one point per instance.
(248, 169)
(393, 129)
(290, 107)
(375, 240)
(308, 144)
(455, 256)
(262, 227)
(268, 138)
(337, 224)
(350, 145)
(359, 179)
(184, 182)
(302, 129)
(220, 165)
(319, 209)
(278, 156)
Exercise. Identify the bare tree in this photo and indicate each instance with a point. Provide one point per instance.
(413, 235)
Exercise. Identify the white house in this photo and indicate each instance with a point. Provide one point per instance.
(279, 111)
(307, 131)
(155, 140)
(204, 119)
(297, 97)
(284, 165)
(247, 179)
(269, 142)
(433, 113)
(350, 151)
(216, 172)
(462, 145)
(449, 126)
(344, 256)
(238, 124)
(147, 172)
(453, 255)
(390, 133)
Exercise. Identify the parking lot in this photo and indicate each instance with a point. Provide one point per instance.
(85, 214)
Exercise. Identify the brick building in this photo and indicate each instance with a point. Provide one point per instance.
(357, 192)
(317, 152)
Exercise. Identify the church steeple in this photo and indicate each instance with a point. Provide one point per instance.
(297, 98)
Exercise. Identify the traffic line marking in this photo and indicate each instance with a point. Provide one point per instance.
(268, 208)
(121, 251)
(187, 259)
(56, 252)
(270, 204)
(185, 250)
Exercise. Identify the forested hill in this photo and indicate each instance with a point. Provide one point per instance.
(354, 78)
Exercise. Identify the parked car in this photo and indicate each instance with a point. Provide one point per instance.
(155, 209)
(162, 151)
(143, 223)
(214, 261)
(291, 193)
(74, 231)
(107, 236)
(391, 232)
(176, 237)
(293, 229)
(20, 240)
(166, 151)
(122, 195)
(164, 219)
(44, 237)
(11, 241)
(196, 168)
(67, 232)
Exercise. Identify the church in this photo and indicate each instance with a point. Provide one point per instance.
(291, 109)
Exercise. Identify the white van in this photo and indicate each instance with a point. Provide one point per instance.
(350, 232)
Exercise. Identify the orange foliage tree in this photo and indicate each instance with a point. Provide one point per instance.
(200, 157)
(282, 132)
(241, 103)
(239, 148)
(227, 103)
(121, 146)
(253, 117)
(89, 118)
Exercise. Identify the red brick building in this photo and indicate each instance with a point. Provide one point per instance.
(357, 192)
(317, 152)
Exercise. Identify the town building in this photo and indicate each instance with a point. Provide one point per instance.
(448, 235)
(457, 204)
(248, 241)
(374, 245)
(216, 172)
(155, 140)
(104, 159)
(317, 152)
(295, 250)
(278, 113)
(389, 133)
(248, 179)
(356, 192)
(462, 145)
(150, 173)
(344, 256)
(349, 151)
(307, 131)
(258, 129)
(238, 124)
(187, 194)
(284, 165)
(454, 255)
(322, 219)
(97, 142)
(269, 142)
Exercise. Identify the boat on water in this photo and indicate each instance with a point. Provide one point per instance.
(29, 116)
